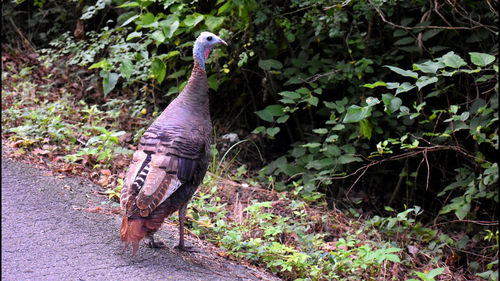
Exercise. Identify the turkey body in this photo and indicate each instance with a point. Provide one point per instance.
(170, 161)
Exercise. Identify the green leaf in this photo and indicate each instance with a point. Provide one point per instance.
(265, 115)
(272, 131)
(129, 4)
(435, 272)
(428, 66)
(127, 68)
(392, 103)
(402, 72)
(158, 70)
(425, 80)
(312, 144)
(169, 55)
(270, 63)
(129, 20)
(404, 41)
(320, 131)
(259, 129)
(481, 59)
(365, 128)
(134, 34)
(313, 100)
(405, 87)
(462, 211)
(224, 7)
(147, 18)
(464, 116)
(453, 60)
(283, 118)
(213, 23)
(376, 84)
(392, 85)
(346, 158)
(104, 64)
(275, 109)
(393, 258)
(158, 37)
(170, 25)
(177, 74)
(289, 94)
(194, 19)
(356, 113)
(109, 80)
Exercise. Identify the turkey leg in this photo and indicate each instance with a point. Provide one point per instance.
(182, 218)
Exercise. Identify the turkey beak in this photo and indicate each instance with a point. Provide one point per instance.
(222, 42)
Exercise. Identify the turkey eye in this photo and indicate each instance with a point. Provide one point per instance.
(209, 38)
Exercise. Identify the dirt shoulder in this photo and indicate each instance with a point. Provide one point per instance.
(55, 228)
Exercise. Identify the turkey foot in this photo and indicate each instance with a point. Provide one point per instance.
(188, 249)
(151, 243)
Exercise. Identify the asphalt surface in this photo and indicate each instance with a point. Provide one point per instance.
(49, 232)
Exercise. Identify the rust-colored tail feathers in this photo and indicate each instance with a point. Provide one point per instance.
(131, 232)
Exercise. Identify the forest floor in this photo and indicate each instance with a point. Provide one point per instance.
(54, 227)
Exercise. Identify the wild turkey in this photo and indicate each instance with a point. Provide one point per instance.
(171, 159)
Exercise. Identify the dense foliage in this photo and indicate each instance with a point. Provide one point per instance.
(370, 106)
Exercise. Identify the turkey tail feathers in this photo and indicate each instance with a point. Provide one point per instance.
(131, 232)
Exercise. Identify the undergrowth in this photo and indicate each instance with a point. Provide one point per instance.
(294, 236)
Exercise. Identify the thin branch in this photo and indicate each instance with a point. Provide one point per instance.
(488, 223)
(408, 154)
(315, 77)
(479, 25)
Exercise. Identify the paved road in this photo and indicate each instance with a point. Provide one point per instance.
(47, 234)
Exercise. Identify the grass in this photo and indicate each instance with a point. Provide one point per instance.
(297, 238)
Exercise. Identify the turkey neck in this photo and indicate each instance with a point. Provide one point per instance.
(195, 95)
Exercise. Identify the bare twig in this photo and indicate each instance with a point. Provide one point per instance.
(408, 154)
(478, 25)
(466, 221)
(315, 77)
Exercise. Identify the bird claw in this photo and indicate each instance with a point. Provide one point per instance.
(189, 249)
(154, 244)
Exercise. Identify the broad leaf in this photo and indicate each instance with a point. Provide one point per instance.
(193, 19)
(481, 59)
(356, 113)
(376, 84)
(213, 23)
(272, 131)
(127, 68)
(268, 64)
(158, 37)
(403, 72)
(365, 128)
(170, 25)
(283, 118)
(158, 70)
(424, 81)
(428, 66)
(345, 159)
(109, 80)
(129, 20)
(269, 112)
(453, 60)
(104, 64)
(405, 87)
(392, 103)
(289, 94)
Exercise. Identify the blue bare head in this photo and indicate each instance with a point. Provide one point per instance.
(203, 45)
